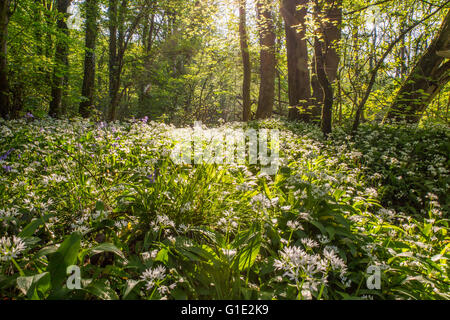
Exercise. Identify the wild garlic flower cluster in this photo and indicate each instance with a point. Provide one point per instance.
(309, 270)
(154, 278)
(228, 222)
(10, 248)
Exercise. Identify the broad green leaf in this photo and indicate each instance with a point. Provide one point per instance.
(65, 256)
(29, 230)
(107, 247)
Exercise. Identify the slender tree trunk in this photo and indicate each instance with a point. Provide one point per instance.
(114, 73)
(88, 88)
(267, 59)
(299, 86)
(425, 81)
(317, 92)
(331, 10)
(245, 61)
(61, 59)
(332, 36)
(150, 34)
(326, 67)
(4, 82)
(326, 87)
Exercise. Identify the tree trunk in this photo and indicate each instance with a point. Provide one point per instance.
(245, 61)
(299, 86)
(317, 92)
(331, 10)
(4, 82)
(326, 64)
(332, 36)
(267, 59)
(88, 88)
(114, 73)
(326, 87)
(425, 81)
(61, 59)
(119, 37)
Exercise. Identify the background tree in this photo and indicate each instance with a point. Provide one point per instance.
(267, 59)
(246, 103)
(299, 86)
(5, 13)
(88, 89)
(322, 47)
(61, 59)
(427, 78)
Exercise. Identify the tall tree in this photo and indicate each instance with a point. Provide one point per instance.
(61, 58)
(5, 14)
(331, 20)
(114, 63)
(321, 47)
(267, 59)
(299, 91)
(426, 79)
(119, 38)
(245, 61)
(88, 89)
(332, 35)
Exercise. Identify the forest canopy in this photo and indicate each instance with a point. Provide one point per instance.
(188, 60)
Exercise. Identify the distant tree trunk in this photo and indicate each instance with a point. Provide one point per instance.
(326, 87)
(332, 36)
(425, 81)
(88, 88)
(267, 59)
(114, 72)
(297, 56)
(119, 37)
(245, 61)
(4, 82)
(317, 92)
(61, 59)
(150, 38)
(321, 49)
(331, 10)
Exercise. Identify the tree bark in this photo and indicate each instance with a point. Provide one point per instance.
(88, 89)
(245, 61)
(326, 87)
(325, 62)
(4, 82)
(299, 85)
(114, 73)
(332, 36)
(425, 81)
(61, 59)
(331, 10)
(267, 59)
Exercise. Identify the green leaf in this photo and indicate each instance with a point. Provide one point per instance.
(65, 256)
(107, 247)
(102, 290)
(30, 285)
(163, 255)
(29, 230)
(131, 286)
(248, 254)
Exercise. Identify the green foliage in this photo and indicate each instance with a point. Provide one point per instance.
(108, 198)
